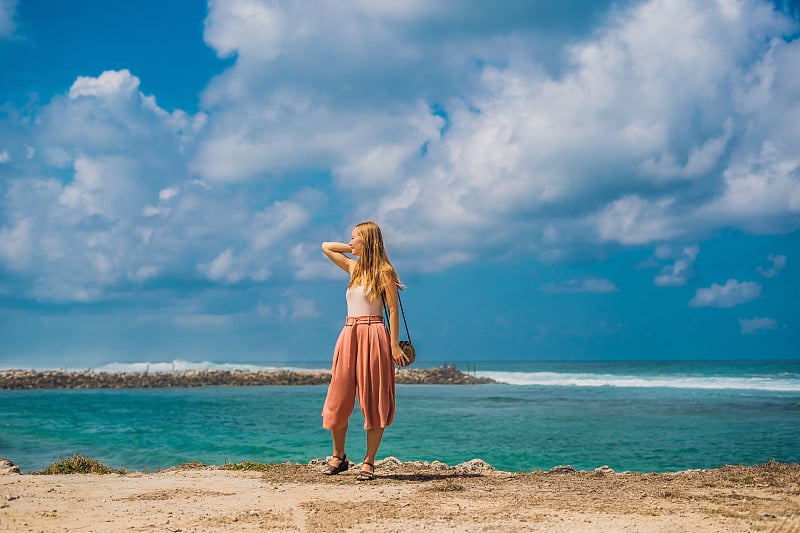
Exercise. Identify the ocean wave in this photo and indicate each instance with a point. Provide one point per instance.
(180, 365)
(778, 384)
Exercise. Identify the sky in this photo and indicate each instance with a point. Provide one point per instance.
(577, 180)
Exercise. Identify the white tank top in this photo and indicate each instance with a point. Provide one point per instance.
(358, 304)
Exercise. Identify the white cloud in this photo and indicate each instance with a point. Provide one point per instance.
(271, 225)
(103, 186)
(731, 294)
(16, 244)
(223, 268)
(112, 218)
(110, 83)
(701, 159)
(292, 307)
(635, 220)
(663, 251)
(676, 274)
(168, 193)
(304, 308)
(246, 27)
(8, 25)
(588, 285)
(4, 157)
(309, 263)
(751, 326)
(145, 273)
(778, 264)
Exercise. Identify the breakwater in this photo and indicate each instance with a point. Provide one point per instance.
(59, 379)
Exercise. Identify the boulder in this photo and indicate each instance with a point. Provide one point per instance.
(388, 461)
(605, 469)
(7, 467)
(475, 466)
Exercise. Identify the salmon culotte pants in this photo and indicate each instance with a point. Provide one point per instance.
(362, 365)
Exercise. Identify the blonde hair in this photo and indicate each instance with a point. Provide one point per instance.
(373, 269)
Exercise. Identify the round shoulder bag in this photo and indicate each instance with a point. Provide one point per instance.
(406, 346)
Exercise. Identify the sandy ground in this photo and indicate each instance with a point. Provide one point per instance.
(406, 497)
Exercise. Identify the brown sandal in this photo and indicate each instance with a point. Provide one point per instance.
(366, 475)
(343, 465)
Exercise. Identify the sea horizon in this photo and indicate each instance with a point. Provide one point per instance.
(755, 374)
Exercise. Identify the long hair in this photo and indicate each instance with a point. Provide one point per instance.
(373, 269)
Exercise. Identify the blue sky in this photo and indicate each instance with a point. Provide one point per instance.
(573, 180)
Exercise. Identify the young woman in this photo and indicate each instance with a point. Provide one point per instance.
(364, 356)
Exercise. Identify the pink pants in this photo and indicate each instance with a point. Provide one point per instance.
(362, 363)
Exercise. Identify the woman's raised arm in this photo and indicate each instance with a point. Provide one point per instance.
(335, 252)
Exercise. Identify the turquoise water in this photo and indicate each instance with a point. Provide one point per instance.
(630, 416)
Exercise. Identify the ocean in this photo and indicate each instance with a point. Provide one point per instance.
(634, 416)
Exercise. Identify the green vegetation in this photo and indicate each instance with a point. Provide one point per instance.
(78, 464)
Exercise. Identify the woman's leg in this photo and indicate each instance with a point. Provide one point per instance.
(374, 437)
(339, 436)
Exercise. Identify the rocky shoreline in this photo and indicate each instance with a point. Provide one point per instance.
(58, 379)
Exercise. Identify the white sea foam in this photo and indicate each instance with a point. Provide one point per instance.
(781, 384)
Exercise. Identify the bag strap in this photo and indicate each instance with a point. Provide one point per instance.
(402, 312)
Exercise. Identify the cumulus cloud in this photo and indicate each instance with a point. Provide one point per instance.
(110, 84)
(676, 274)
(125, 208)
(754, 325)
(79, 232)
(731, 294)
(588, 285)
(778, 263)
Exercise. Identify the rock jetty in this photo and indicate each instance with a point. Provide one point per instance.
(59, 379)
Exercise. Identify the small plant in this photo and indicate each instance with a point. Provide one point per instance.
(78, 464)
(248, 465)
